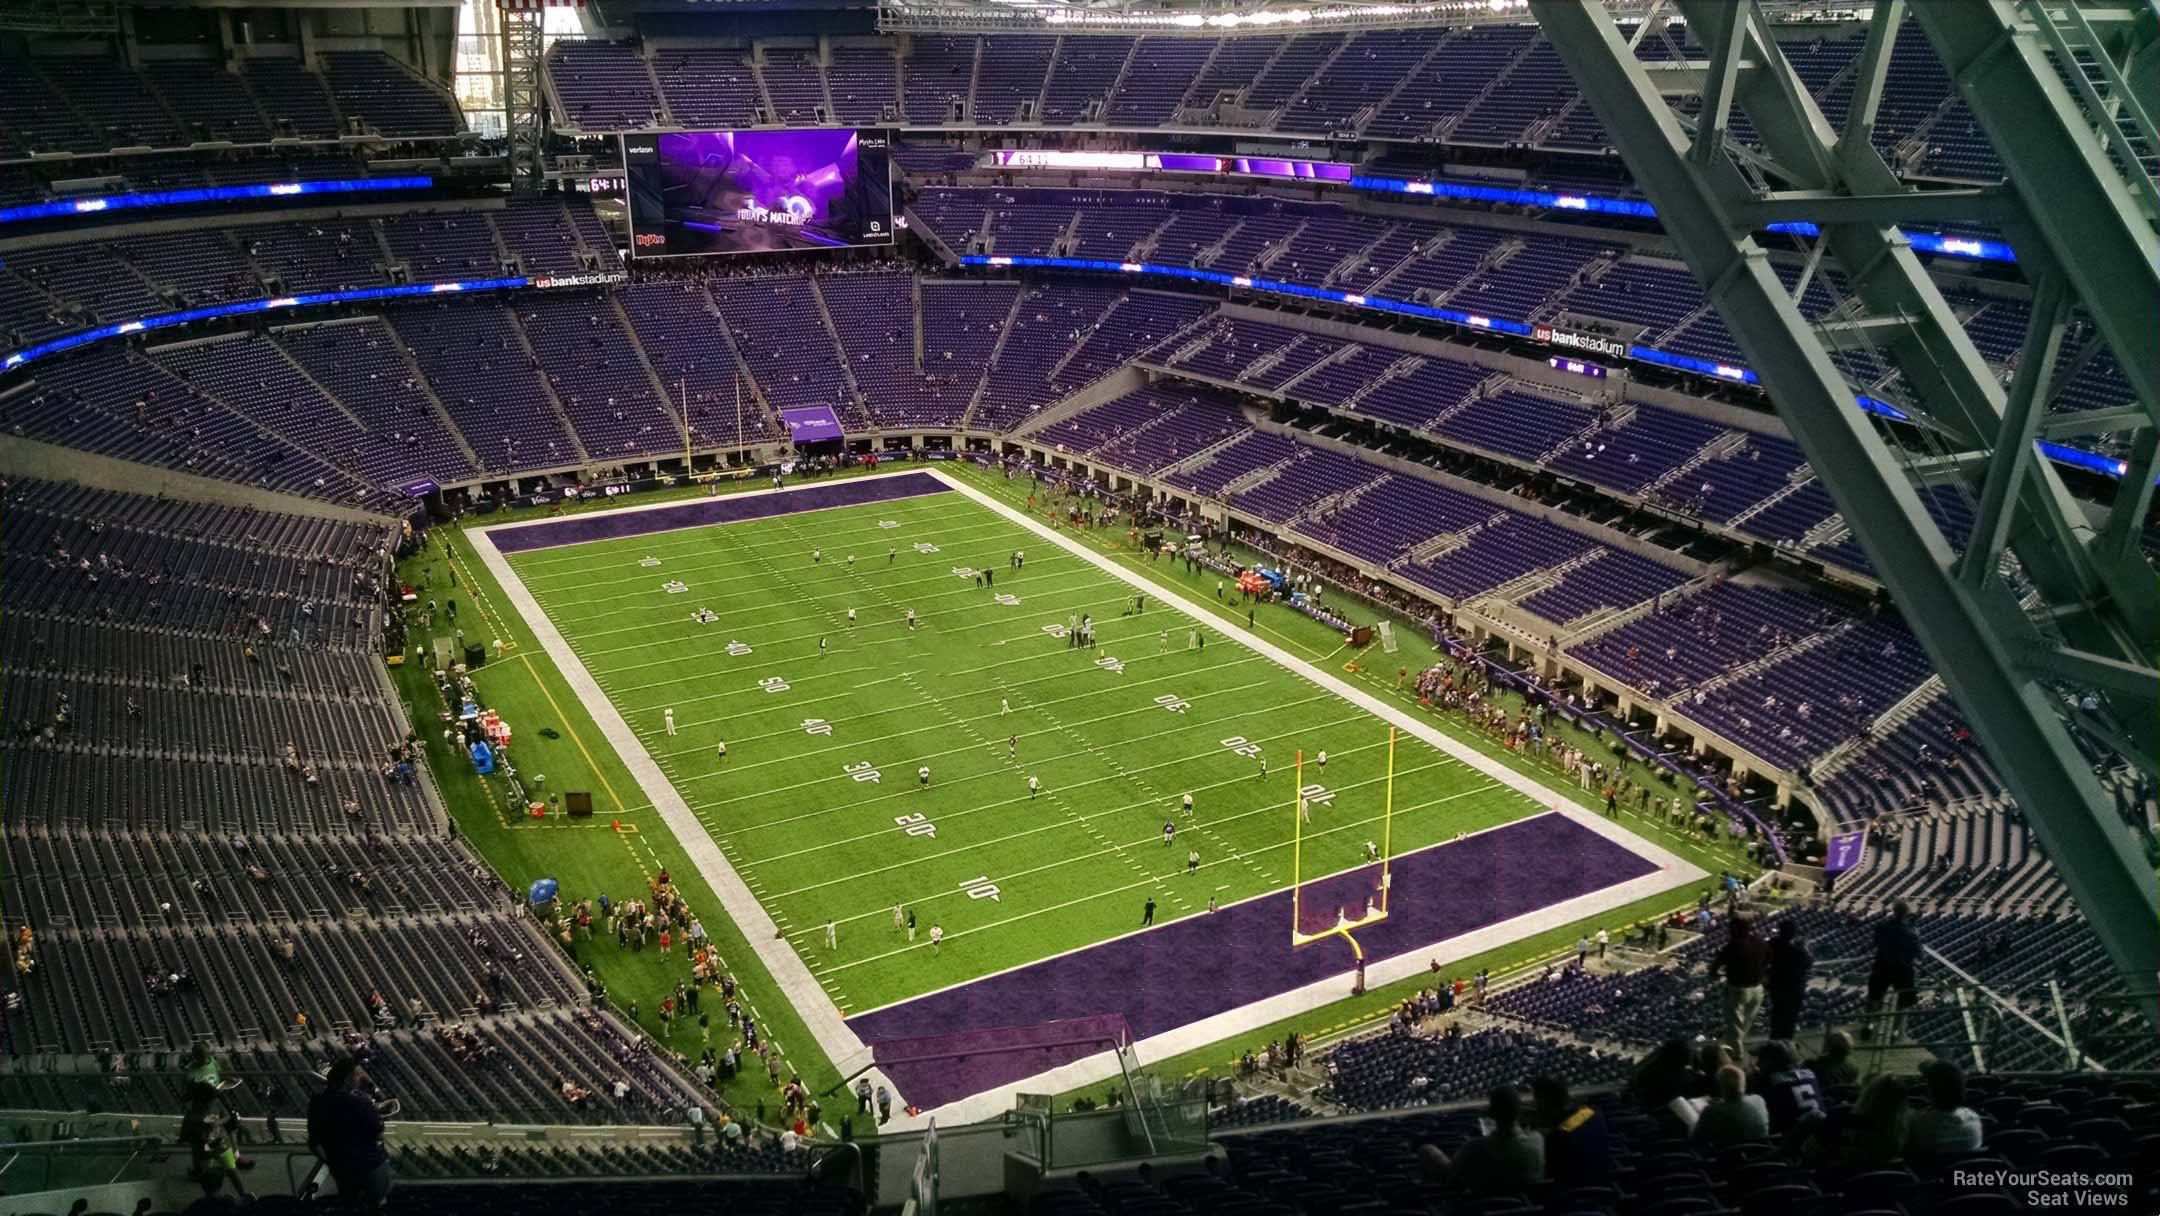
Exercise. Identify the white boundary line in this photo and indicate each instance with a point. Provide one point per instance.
(823, 1019)
(1672, 871)
(677, 503)
(801, 990)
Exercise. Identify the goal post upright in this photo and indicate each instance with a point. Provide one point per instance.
(1387, 827)
(1297, 848)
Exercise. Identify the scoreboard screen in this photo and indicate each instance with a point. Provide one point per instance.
(694, 193)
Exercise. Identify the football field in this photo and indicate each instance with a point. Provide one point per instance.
(786, 637)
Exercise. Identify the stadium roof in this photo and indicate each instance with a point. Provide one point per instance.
(1170, 16)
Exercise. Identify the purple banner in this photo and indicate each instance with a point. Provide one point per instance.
(1844, 852)
(811, 423)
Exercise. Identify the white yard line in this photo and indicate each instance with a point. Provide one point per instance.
(1672, 871)
(689, 502)
(818, 1013)
(823, 1017)
(1410, 724)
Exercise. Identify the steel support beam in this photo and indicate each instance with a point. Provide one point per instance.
(1979, 638)
(2097, 226)
(1952, 389)
(1979, 205)
(524, 101)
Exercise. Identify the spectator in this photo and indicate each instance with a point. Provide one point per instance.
(1744, 962)
(1897, 952)
(345, 1130)
(1790, 963)
(1733, 1115)
(1578, 1145)
(1869, 1134)
(1947, 1126)
(1665, 1076)
(1788, 1089)
(1505, 1160)
(1834, 1067)
(212, 1159)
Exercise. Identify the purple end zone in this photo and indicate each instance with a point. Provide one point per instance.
(726, 509)
(1204, 965)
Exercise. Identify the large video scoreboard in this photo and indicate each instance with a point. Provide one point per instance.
(694, 193)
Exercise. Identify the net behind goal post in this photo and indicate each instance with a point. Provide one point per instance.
(1334, 905)
(1387, 636)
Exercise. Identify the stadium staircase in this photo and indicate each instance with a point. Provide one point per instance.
(1346, 351)
(562, 413)
(1200, 459)
(1118, 383)
(665, 115)
(1145, 247)
(668, 395)
(1828, 532)
(756, 63)
(1537, 580)
(1616, 419)
(1275, 249)
(1723, 446)
(1205, 256)
(1414, 76)
(1341, 500)
(1317, 76)
(1838, 758)
(974, 79)
(1033, 112)
(1493, 86)
(1607, 620)
(1246, 481)
(427, 389)
(255, 419)
(997, 351)
(1265, 363)
(1774, 656)
(1797, 481)
(1356, 257)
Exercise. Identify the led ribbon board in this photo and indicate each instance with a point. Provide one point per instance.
(207, 194)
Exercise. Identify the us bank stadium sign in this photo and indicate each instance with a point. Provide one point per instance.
(588, 279)
(1609, 347)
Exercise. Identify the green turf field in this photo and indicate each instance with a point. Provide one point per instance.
(556, 735)
(819, 804)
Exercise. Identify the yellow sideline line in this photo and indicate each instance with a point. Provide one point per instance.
(570, 730)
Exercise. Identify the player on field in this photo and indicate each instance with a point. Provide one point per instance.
(899, 916)
(1192, 862)
(911, 618)
(922, 775)
(1004, 707)
(821, 648)
(937, 937)
(1169, 831)
(889, 551)
(722, 748)
(851, 616)
(832, 934)
(1372, 851)
(1188, 802)
(1323, 758)
(817, 555)
(668, 715)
